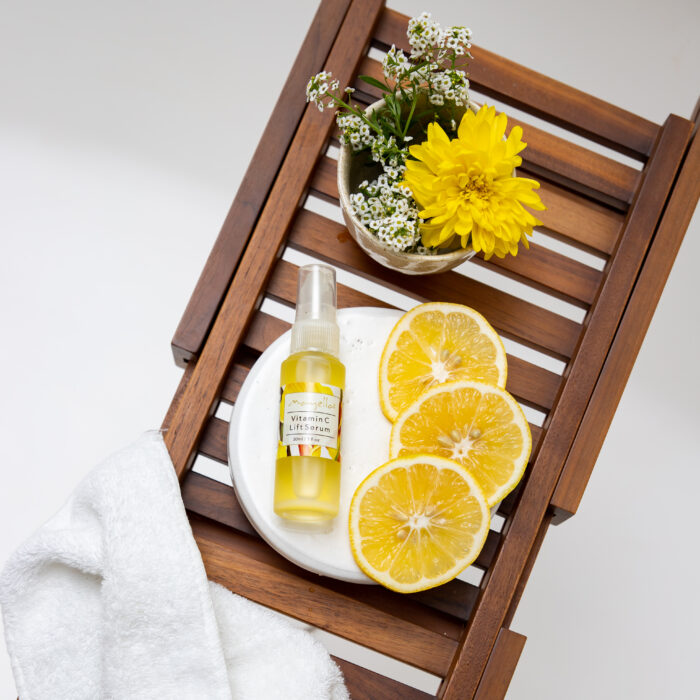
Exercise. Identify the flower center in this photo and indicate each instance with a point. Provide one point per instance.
(475, 187)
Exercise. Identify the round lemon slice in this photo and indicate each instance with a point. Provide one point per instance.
(416, 522)
(480, 426)
(436, 343)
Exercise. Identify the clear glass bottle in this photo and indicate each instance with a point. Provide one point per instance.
(312, 380)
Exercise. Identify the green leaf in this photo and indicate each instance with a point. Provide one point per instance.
(374, 82)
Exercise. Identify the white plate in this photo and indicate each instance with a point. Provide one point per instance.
(252, 442)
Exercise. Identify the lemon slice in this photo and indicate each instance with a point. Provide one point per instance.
(478, 425)
(416, 522)
(436, 343)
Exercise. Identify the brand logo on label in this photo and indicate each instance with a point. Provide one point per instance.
(310, 420)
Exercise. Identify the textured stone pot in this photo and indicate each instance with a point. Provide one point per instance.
(351, 172)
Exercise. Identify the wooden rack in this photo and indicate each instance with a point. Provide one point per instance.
(610, 235)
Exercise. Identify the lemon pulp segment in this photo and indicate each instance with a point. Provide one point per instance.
(436, 343)
(416, 522)
(480, 426)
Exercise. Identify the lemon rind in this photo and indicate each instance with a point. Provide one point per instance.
(522, 459)
(479, 538)
(486, 328)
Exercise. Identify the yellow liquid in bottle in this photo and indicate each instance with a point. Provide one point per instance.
(307, 488)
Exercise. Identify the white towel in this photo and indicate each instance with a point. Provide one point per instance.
(109, 599)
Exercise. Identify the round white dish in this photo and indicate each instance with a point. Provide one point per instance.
(252, 442)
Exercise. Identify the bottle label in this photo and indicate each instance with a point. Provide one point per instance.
(310, 416)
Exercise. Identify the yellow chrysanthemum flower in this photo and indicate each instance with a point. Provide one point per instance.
(466, 187)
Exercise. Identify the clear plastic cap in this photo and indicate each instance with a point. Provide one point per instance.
(315, 326)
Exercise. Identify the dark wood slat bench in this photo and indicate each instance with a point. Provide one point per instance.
(609, 238)
(543, 97)
(214, 444)
(512, 317)
(582, 169)
(571, 217)
(367, 685)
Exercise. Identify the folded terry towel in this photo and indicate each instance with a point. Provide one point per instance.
(110, 599)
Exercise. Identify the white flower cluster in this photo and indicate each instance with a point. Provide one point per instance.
(396, 64)
(450, 85)
(387, 152)
(432, 44)
(355, 131)
(429, 40)
(432, 71)
(458, 39)
(386, 208)
(318, 87)
(424, 35)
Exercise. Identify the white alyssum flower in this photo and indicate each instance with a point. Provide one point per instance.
(458, 39)
(431, 72)
(395, 64)
(319, 86)
(452, 85)
(385, 207)
(424, 34)
(354, 131)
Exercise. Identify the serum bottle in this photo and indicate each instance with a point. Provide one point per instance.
(312, 379)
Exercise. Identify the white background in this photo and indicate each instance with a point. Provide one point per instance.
(125, 129)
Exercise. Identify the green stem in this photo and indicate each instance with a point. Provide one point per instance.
(410, 115)
(357, 112)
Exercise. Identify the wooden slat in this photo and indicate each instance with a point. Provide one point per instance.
(217, 501)
(536, 433)
(511, 559)
(325, 179)
(454, 599)
(184, 381)
(245, 567)
(238, 225)
(569, 216)
(543, 97)
(576, 167)
(544, 269)
(214, 442)
(263, 330)
(530, 384)
(618, 365)
(215, 436)
(282, 285)
(423, 612)
(501, 666)
(506, 506)
(363, 684)
(234, 382)
(527, 570)
(550, 272)
(245, 359)
(247, 286)
(534, 385)
(560, 160)
(511, 316)
(578, 220)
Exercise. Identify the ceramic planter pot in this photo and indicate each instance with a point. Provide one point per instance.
(352, 171)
